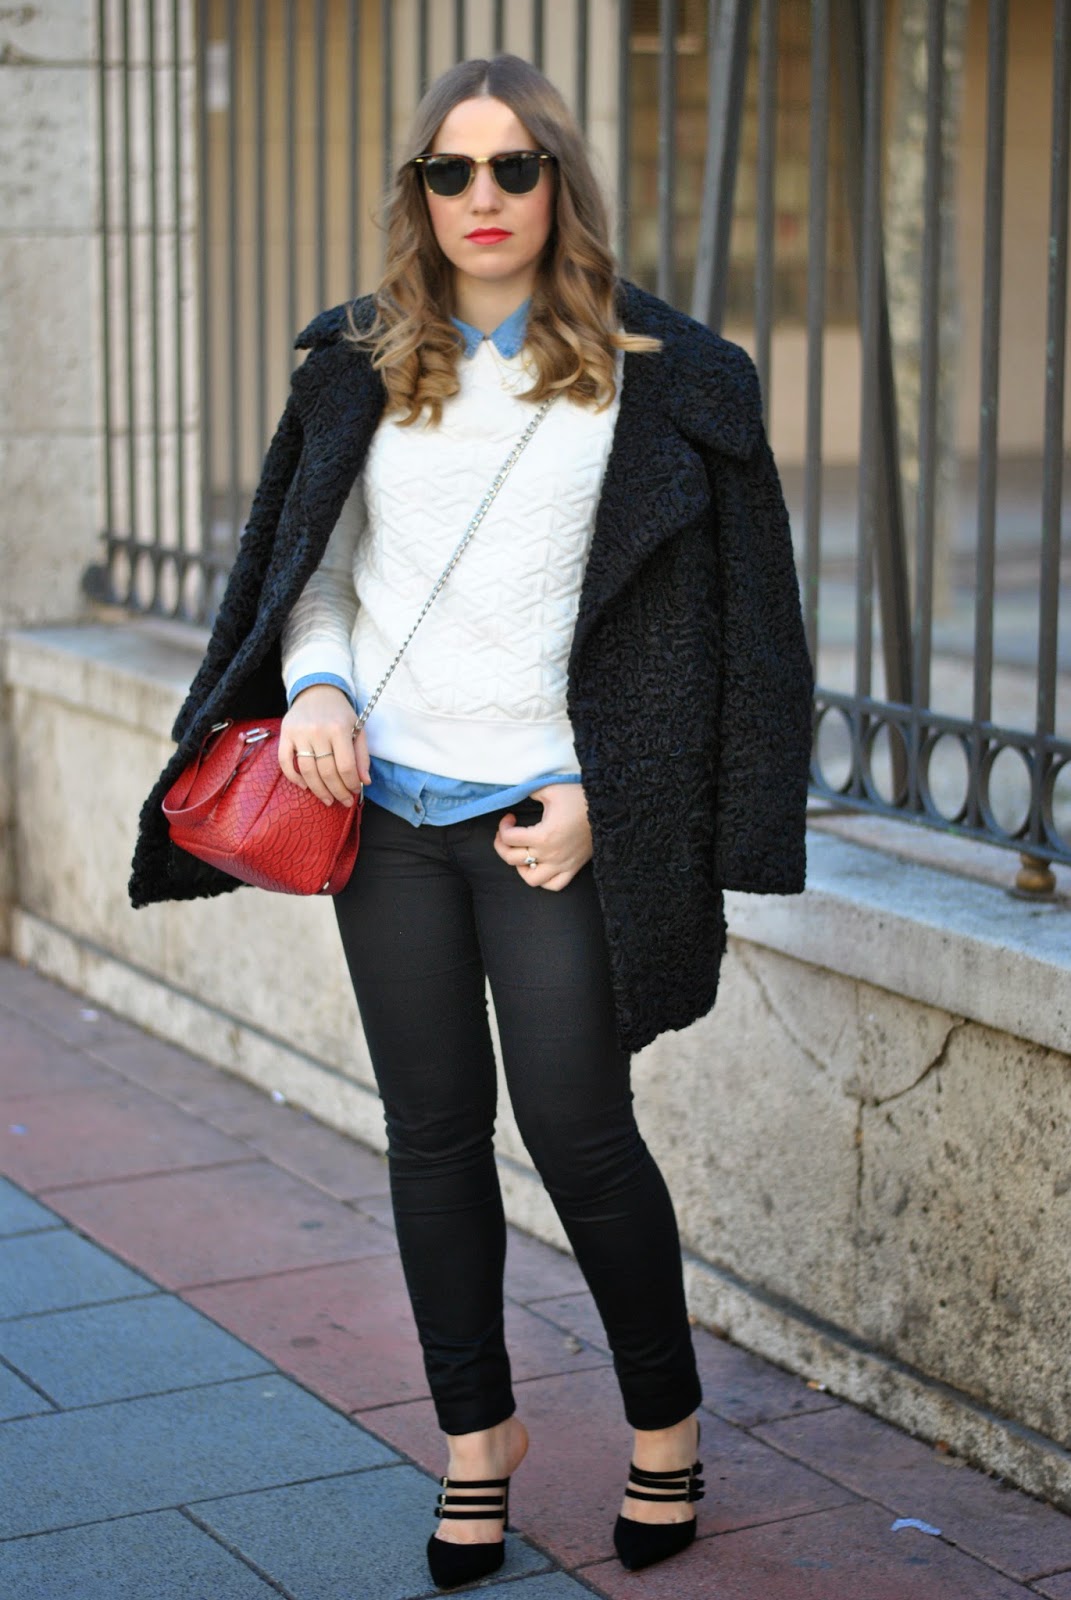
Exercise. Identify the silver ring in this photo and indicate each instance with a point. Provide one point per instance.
(322, 754)
(530, 860)
(303, 753)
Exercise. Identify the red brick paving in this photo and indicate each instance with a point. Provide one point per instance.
(748, 1483)
(536, 1272)
(574, 1313)
(376, 1206)
(347, 1332)
(84, 1135)
(212, 1224)
(1021, 1536)
(33, 1062)
(58, 1011)
(846, 1554)
(1058, 1587)
(746, 1390)
(308, 1149)
(177, 1076)
(268, 1223)
(344, 1331)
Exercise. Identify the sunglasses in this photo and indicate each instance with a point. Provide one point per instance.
(515, 171)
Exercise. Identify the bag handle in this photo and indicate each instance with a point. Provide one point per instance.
(481, 511)
(174, 808)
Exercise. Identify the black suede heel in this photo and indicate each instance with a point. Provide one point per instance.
(451, 1565)
(641, 1544)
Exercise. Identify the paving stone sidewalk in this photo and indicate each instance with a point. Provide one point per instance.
(210, 1390)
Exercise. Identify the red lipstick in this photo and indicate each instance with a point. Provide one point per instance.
(487, 235)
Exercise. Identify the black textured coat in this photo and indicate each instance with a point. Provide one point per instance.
(689, 684)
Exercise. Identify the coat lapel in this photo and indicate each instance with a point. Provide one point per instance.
(654, 485)
(681, 409)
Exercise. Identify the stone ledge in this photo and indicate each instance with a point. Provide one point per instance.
(135, 675)
(793, 1337)
(965, 946)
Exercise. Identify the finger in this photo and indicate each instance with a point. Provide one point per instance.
(287, 764)
(308, 766)
(524, 859)
(522, 838)
(360, 751)
(345, 767)
(328, 774)
(502, 850)
(535, 875)
(560, 881)
(332, 744)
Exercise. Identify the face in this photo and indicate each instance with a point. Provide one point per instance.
(490, 237)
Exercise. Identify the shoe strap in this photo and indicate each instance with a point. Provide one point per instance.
(474, 1483)
(691, 1488)
(497, 1502)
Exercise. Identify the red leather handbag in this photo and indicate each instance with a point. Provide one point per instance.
(233, 808)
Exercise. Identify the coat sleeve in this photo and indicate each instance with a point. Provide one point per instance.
(765, 716)
(316, 637)
(238, 608)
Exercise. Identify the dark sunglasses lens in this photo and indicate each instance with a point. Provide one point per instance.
(517, 174)
(446, 176)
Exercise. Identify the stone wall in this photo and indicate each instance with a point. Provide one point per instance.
(50, 426)
(50, 440)
(65, 96)
(867, 1140)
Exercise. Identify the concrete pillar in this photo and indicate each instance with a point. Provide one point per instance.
(72, 105)
(50, 414)
(50, 421)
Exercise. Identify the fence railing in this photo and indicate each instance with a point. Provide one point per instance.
(758, 179)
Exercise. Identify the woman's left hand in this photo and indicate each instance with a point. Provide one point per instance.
(560, 841)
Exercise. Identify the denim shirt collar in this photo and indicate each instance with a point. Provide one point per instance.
(507, 338)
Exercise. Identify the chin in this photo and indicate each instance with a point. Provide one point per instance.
(489, 272)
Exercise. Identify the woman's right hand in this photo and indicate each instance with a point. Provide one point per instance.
(320, 722)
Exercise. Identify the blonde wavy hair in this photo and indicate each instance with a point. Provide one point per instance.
(572, 333)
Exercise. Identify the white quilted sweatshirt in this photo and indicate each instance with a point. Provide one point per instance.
(480, 692)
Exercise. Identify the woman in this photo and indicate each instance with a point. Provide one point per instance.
(603, 722)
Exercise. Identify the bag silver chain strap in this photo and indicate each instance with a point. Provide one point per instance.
(481, 511)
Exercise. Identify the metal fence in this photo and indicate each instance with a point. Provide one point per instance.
(749, 155)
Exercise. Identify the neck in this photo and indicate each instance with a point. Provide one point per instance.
(485, 305)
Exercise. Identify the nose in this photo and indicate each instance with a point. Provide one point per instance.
(485, 194)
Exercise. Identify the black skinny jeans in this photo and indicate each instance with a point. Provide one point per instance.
(427, 914)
